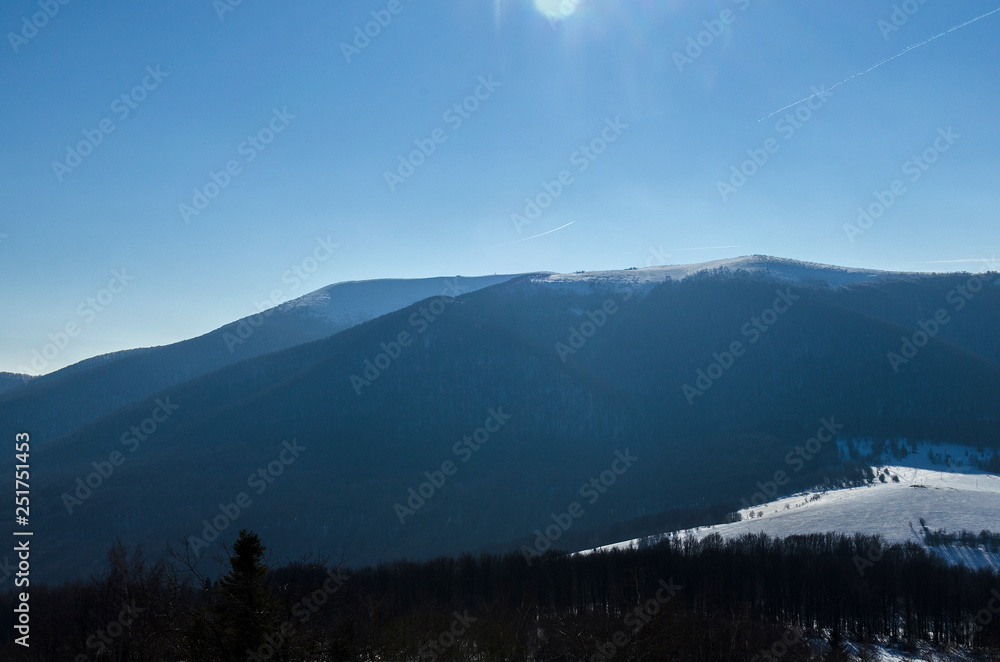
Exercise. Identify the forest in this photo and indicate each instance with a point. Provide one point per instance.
(817, 597)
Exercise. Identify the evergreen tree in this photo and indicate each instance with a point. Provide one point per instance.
(247, 611)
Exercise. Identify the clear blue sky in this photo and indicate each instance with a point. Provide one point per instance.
(563, 71)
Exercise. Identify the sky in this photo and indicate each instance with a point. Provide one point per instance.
(166, 167)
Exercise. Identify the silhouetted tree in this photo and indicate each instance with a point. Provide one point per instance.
(247, 609)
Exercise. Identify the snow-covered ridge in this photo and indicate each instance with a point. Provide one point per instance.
(321, 313)
(783, 269)
(354, 302)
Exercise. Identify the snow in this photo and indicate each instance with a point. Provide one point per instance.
(348, 304)
(953, 500)
(783, 269)
(951, 457)
(886, 653)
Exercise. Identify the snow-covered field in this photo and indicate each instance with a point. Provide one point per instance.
(953, 499)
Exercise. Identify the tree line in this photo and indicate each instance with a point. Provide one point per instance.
(816, 597)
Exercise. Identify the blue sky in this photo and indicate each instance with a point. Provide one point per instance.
(310, 117)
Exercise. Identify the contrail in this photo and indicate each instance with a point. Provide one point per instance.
(885, 61)
(950, 261)
(536, 236)
(704, 248)
(991, 263)
(971, 259)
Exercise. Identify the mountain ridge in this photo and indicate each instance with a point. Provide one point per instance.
(497, 347)
(57, 403)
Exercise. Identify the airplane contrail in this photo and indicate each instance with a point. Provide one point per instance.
(536, 236)
(991, 263)
(885, 61)
(703, 248)
(971, 259)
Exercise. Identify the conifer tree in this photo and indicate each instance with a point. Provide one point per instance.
(247, 608)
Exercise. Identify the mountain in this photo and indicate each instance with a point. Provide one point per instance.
(58, 403)
(10, 380)
(792, 271)
(467, 423)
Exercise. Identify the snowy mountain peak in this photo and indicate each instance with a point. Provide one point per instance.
(784, 269)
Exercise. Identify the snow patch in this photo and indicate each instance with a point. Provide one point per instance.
(893, 510)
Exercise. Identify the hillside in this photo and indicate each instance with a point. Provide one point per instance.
(11, 380)
(60, 402)
(373, 433)
(898, 512)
